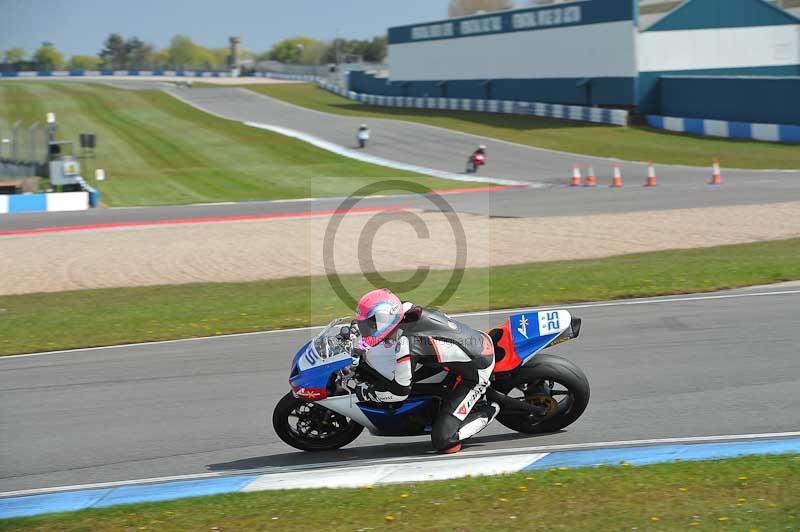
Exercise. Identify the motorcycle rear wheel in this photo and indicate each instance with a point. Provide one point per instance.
(552, 382)
(316, 428)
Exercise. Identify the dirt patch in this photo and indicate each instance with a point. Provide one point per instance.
(274, 249)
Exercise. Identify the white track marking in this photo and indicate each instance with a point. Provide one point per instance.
(511, 143)
(621, 303)
(464, 455)
(373, 159)
(538, 449)
(351, 477)
(635, 302)
(358, 156)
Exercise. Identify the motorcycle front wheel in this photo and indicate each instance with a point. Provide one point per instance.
(551, 382)
(311, 427)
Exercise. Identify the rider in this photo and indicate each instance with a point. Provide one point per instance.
(417, 337)
(362, 135)
(480, 151)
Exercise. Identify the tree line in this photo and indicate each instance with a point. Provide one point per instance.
(120, 53)
(308, 51)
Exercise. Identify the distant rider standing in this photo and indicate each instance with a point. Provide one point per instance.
(416, 338)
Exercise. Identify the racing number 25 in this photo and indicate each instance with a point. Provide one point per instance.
(552, 321)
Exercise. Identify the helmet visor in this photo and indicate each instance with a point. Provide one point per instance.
(368, 327)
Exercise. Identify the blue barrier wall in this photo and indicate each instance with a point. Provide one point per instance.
(649, 85)
(766, 100)
(79, 72)
(571, 91)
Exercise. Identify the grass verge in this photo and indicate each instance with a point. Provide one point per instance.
(63, 320)
(629, 143)
(157, 150)
(750, 493)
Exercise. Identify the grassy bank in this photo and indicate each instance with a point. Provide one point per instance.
(157, 150)
(50, 321)
(751, 493)
(630, 143)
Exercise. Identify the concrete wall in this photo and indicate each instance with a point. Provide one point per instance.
(573, 91)
(45, 202)
(598, 115)
(728, 129)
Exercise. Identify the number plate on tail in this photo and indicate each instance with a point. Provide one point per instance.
(532, 331)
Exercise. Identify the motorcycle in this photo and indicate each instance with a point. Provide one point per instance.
(476, 160)
(537, 392)
(362, 137)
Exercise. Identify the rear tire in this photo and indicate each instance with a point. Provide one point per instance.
(546, 368)
(322, 430)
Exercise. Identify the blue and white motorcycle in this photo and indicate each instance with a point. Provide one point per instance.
(537, 392)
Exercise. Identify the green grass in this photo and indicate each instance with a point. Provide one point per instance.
(157, 150)
(629, 143)
(749, 493)
(62, 320)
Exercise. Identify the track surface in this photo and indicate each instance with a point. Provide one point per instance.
(691, 367)
(442, 149)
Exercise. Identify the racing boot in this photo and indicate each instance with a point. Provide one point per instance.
(477, 420)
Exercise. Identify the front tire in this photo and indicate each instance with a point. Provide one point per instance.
(312, 427)
(549, 381)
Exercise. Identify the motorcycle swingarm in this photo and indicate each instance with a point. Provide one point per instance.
(509, 404)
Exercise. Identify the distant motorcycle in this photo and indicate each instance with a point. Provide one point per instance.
(362, 136)
(536, 392)
(476, 160)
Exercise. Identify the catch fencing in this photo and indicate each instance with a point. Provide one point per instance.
(23, 149)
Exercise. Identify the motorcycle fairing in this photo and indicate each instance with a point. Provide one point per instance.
(525, 334)
(396, 421)
(347, 405)
(387, 421)
(310, 373)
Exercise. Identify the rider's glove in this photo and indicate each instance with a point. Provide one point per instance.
(360, 349)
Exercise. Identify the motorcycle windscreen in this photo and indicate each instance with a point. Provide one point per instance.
(311, 373)
(533, 331)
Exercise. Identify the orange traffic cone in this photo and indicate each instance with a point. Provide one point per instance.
(651, 175)
(576, 176)
(716, 176)
(616, 181)
(591, 180)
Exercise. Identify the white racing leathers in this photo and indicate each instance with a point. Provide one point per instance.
(430, 339)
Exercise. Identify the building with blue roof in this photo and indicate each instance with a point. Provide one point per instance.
(729, 60)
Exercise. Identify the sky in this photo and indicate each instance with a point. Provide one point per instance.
(81, 26)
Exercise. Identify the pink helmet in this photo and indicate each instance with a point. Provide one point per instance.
(378, 313)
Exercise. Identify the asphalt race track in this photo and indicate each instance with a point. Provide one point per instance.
(669, 367)
(441, 149)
